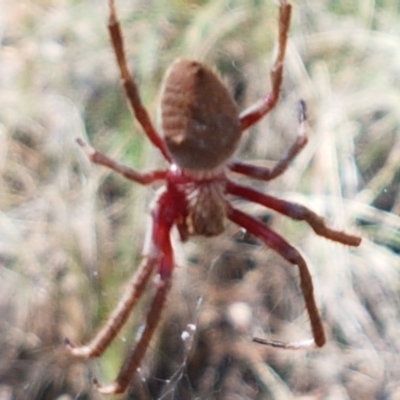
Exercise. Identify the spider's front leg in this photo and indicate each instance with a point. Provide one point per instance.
(158, 256)
(289, 253)
(136, 287)
(135, 357)
(119, 316)
(254, 113)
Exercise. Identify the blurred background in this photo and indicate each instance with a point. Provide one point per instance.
(71, 233)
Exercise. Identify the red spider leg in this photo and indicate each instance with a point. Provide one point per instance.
(289, 253)
(120, 314)
(138, 284)
(294, 211)
(266, 174)
(253, 114)
(164, 216)
(129, 83)
(133, 361)
(129, 173)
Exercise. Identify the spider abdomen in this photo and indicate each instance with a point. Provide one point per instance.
(199, 118)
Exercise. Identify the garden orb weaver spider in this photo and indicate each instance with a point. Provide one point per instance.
(201, 130)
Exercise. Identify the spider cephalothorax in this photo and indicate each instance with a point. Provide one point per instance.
(201, 130)
(204, 210)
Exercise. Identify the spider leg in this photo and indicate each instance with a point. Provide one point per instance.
(294, 211)
(136, 287)
(129, 84)
(266, 174)
(162, 219)
(289, 253)
(134, 359)
(129, 173)
(254, 113)
(119, 316)
(164, 215)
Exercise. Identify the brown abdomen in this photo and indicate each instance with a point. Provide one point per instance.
(199, 117)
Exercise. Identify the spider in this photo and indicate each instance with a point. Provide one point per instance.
(201, 128)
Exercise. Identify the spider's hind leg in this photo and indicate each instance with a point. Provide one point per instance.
(254, 113)
(129, 84)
